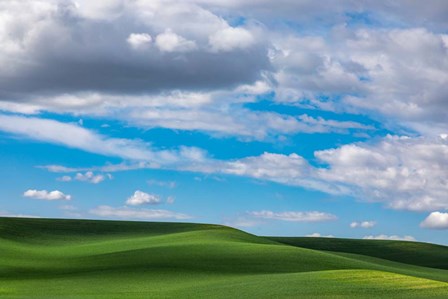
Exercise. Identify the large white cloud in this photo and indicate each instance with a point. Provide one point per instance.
(405, 173)
(150, 70)
(436, 220)
(398, 73)
(63, 47)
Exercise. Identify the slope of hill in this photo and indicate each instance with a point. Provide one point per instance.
(414, 253)
(54, 258)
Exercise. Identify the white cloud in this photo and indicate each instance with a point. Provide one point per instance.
(139, 40)
(290, 169)
(231, 38)
(295, 216)
(219, 113)
(46, 195)
(436, 220)
(90, 177)
(403, 172)
(363, 224)
(398, 73)
(132, 213)
(140, 198)
(318, 235)
(60, 169)
(391, 237)
(74, 136)
(172, 42)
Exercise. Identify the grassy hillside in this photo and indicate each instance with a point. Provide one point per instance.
(415, 253)
(50, 258)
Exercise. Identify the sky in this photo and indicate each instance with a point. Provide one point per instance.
(293, 118)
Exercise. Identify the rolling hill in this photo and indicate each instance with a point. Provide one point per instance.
(55, 258)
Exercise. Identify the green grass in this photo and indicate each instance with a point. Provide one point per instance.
(415, 253)
(51, 258)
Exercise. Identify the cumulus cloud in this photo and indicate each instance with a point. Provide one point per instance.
(88, 176)
(404, 80)
(363, 224)
(349, 70)
(132, 213)
(231, 38)
(405, 173)
(202, 72)
(401, 172)
(389, 237)
(80, 61)
(295, 216)
(290, 169)
(46, 195)
(436, 220)
(139, 40)
(169, 41)
(141, 198)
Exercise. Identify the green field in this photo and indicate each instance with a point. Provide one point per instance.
(50, 258)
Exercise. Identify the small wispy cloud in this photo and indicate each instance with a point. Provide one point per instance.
(295, 216)
(133, 213)
(88, 177)
(389, 237)
(318, 235)
(362, 224)
(166, 184)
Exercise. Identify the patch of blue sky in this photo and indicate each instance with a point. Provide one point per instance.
(235, 20)
(364, 19)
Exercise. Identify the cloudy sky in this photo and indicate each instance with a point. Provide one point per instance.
(322, 118)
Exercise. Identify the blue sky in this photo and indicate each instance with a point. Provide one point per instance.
(293, 118)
